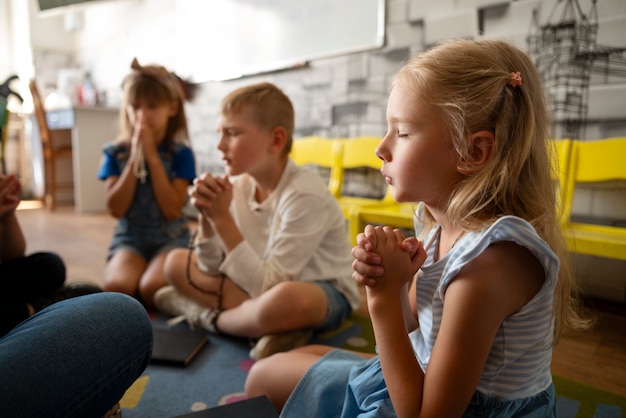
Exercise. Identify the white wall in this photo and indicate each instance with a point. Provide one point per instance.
(47, 31)
(16, 57)
(5, 38)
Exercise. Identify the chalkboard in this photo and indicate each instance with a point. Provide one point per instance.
(236, 38)
(54, 4)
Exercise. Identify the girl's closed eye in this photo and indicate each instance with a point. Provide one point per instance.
(403, 130)
(398, 132)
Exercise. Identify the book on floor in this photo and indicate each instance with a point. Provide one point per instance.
(176, 346)
(259, 407)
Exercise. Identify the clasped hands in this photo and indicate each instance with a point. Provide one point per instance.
(143, 137)
(384, 260)
(211, 195)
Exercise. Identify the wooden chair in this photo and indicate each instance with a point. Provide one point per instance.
(593, 163)
(4, 121)
(320, 152)
(56, 145)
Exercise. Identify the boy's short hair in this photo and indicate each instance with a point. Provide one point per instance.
(271, 107)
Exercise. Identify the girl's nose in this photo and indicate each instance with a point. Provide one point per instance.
(382, 150)
(379, 153)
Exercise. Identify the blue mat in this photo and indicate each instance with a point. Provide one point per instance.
(217, 375)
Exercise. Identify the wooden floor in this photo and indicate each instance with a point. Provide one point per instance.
(596, 357)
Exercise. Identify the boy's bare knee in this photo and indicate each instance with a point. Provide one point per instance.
(288, 306)
(175, 265)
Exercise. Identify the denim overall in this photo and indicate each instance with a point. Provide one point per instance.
(144, 229)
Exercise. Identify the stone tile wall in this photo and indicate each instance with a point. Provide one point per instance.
(345, 96)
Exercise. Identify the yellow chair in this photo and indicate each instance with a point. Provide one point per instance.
(320, 152)
(401, 215)
(360, 152)
(560, 151)
(592, 162)
(394, 214)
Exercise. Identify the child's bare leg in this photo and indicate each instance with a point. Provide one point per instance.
(122, 272)
(152, 279)
(175, 269)
(285, 307)
(276, 376)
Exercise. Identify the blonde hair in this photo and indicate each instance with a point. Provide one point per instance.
(474, 86)
(154, 83)
(271, 107)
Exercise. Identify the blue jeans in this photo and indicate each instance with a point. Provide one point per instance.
(75, 358)
(338, 307)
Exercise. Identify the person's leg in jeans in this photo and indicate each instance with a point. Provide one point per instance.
(75, 358)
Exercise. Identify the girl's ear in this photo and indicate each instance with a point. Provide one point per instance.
(279, 139)
(480, 152)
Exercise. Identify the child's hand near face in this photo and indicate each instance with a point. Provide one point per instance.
(136, 118)
(398, 265)
(211, 195)
(9, 190)
(143, 136)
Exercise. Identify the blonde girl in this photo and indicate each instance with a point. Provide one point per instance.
(146, 174)
(466, 319)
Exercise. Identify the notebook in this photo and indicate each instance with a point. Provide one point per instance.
(176, 346)
(259, 407)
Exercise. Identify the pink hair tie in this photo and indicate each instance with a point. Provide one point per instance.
(516, 79)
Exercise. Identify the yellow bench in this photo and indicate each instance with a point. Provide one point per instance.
(594, 163)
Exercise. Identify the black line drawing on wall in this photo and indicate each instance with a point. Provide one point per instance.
(566, 53)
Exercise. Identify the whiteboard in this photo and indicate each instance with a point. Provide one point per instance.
(226, 39)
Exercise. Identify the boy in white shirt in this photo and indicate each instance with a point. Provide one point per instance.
(272, 257)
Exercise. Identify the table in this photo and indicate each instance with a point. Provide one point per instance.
(92, 127)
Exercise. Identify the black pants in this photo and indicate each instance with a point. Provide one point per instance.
(26, 281)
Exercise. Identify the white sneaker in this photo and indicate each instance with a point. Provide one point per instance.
(283, 341)
(171, 302)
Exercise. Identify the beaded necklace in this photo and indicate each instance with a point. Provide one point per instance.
(139, 165)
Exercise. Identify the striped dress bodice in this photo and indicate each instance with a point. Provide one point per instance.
(518, 365)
